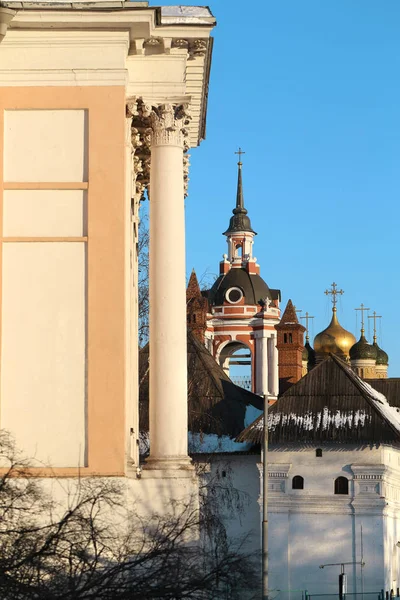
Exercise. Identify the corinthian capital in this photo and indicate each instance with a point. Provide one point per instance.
(169, 124)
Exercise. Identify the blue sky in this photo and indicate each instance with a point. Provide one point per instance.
(310, 90)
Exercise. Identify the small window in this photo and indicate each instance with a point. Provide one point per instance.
(318, 452)
(341, 485)
(234, 295)
(194, 318)
(297, 482)
(290, 339)
(285, 338)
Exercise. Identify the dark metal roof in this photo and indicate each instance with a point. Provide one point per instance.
(389, 387)
(331, 404)
(363, 350)
(253, 287)
(381, 356)
(215, 403)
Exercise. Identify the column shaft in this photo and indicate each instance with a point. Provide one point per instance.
(265, 366)
(168, 353)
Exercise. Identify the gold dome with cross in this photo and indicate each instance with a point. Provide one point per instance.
(334, 339)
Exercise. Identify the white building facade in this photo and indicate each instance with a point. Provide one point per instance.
(334, 484)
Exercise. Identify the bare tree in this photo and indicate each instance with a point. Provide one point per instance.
(88, 546)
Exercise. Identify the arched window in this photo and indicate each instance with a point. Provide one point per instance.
(297, 482)
(290, 338)
(341, 485)
(285, 338)
(318, 452)
(239, 250)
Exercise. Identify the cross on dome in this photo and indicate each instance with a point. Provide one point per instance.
(374, 316)
(362, 308)
(334, 292)
(307, 318)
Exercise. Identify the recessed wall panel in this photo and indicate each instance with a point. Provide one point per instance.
(45, 213)
(43, 383)
(45, 145)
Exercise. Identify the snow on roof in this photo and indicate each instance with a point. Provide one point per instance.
(389, 413)
(210, 443)
(331, 403)
(199, 15)
(322, 419)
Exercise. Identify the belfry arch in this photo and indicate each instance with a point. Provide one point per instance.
(236, 358)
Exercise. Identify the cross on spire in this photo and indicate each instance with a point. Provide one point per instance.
(334, 292)
(240, 152)
(374, 316)
(362, 309)
(306, 319)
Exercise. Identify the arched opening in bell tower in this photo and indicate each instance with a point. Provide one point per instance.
(236, 360)
(239, 250)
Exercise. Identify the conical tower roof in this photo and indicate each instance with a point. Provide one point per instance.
(289, 316)
(240, 221)
(193, 288)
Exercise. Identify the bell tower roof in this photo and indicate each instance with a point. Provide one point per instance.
(240, 221)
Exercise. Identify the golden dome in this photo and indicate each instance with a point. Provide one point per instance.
(334, 339)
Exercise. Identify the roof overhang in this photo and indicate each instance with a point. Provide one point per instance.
(158, 40)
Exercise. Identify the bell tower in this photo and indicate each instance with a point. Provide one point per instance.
(290, 347)
(240, 235)
(243, 310)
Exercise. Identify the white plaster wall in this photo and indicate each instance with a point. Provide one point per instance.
(43, 384)
(313, 526)
(45, 213)
(309, 540)
(243, 477)
(45, 145)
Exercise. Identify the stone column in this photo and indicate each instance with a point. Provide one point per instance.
(265, 365)
(273, 366)
(168, 354)
(275, 360)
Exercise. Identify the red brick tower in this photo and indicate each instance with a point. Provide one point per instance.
(196, 308)
(290, 344)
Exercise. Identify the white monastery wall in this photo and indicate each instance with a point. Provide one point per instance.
(314, 526)
(241, 510)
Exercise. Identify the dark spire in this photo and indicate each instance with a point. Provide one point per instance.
(240, 221)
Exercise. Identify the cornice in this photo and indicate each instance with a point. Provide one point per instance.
(313, 504)
(146, 34)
